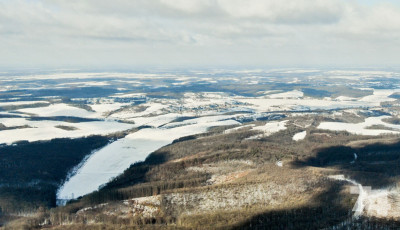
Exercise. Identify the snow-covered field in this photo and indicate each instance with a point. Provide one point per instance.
(380, 95)
(57, 110)
(271, 127)
(47, 130)
(268, 129)
(292, 100)
(113, 159)
(61, 109)
(267, 105)
(361, 128)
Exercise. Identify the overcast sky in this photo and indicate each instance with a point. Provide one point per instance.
(199, 33)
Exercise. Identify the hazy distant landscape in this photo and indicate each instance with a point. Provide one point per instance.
(182, 148)
(199, 114)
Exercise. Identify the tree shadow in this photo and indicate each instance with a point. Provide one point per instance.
(376, 165)
(328, 210)
(325, 210)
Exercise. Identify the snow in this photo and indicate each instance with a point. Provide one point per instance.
(290, 94)
(237, 128)
(359, 206)
(292, 101)
(181, 83)
(129, 95)
(60, 109)
(380, 95)
(87, 76)
(355, 158)
(361, 128)
(299, 136)
(295, 80)
(113, 159)
(266, 104)
(301, 71)
(370, 202)
(11, 122)
(344, 98)
(86, 83)
(268, 129)
(155, 121)
(21, 103)
(204, 119)
(153, 108)
(13, 114)
(195, 100)
(46, 130)
(271, 127)
(103, 108)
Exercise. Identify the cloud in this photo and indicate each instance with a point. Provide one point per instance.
(285, 11)
(198, 32)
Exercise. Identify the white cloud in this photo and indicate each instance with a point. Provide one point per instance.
(190, 7)
(198, 32)
(285, 11)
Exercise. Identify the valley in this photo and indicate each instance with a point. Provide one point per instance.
(222, 149)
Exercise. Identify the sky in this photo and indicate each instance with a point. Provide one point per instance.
(199, 33)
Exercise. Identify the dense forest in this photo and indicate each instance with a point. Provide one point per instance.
(30, 173)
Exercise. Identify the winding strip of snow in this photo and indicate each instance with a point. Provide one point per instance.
(372, 202)
(362, 197)
(113, 159)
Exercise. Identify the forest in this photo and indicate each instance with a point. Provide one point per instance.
(30, 173)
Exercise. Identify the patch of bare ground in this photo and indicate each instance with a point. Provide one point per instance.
(381, 127)
(269, 186)
(227, 178)
(194, 156)
(362, 143)
(65, 127)
(224, 171)
(145, 207)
